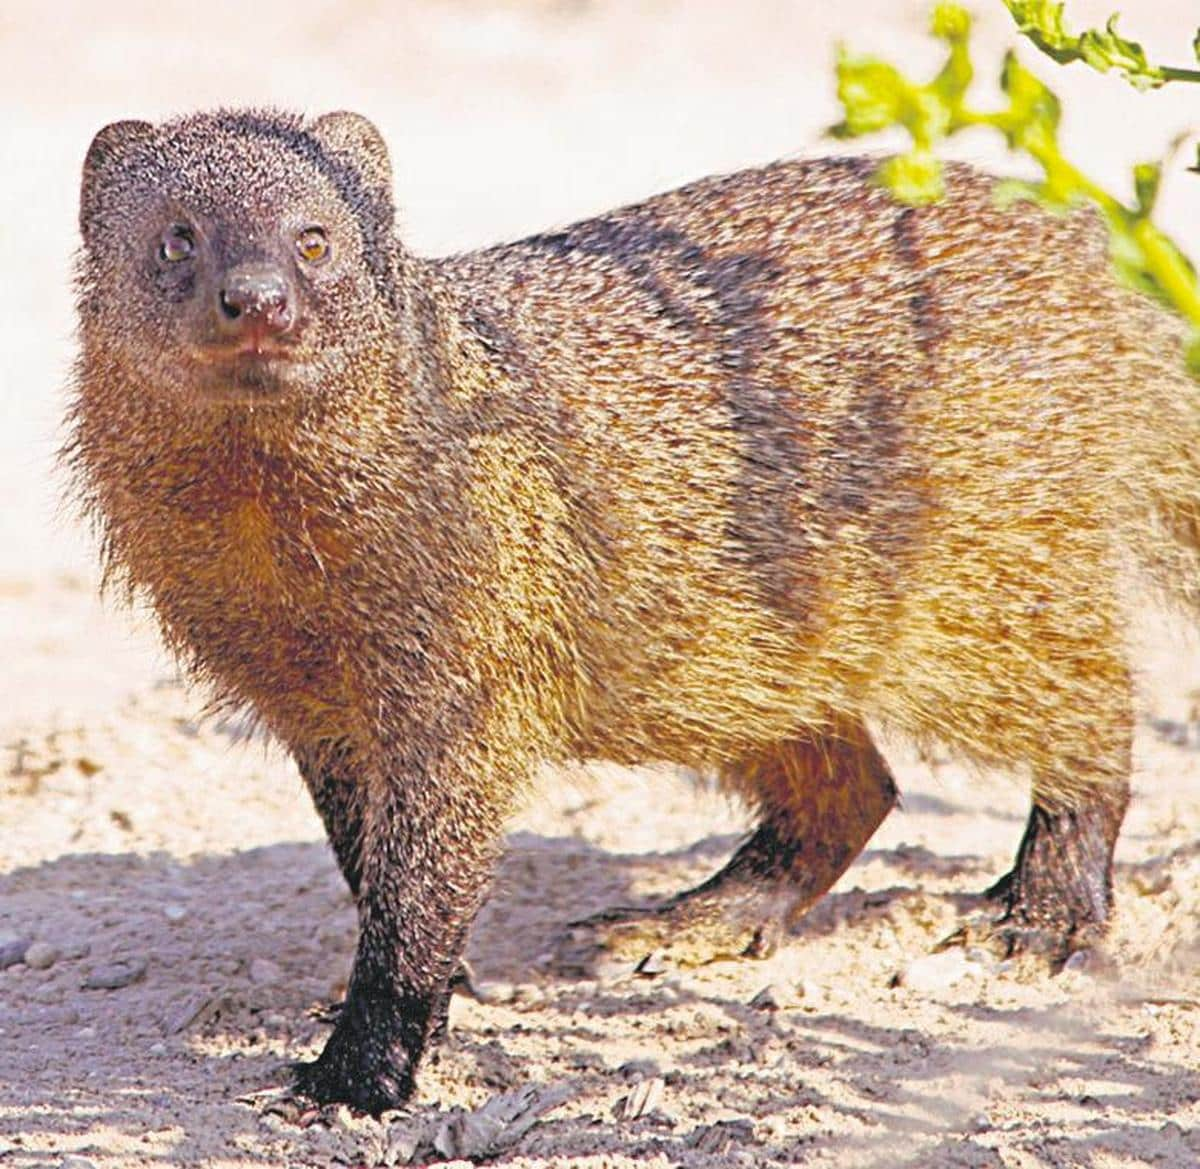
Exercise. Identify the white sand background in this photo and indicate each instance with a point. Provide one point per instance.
(129, 833)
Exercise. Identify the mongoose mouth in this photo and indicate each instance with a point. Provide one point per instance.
(248, 372)
(250, 349)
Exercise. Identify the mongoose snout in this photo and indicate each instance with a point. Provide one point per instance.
(255, 302)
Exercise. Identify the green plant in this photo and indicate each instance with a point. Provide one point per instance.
(875, 96)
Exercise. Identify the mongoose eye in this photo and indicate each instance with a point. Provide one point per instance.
(312, 245)
(177, 244)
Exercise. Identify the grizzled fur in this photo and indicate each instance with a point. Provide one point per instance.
(713, 479)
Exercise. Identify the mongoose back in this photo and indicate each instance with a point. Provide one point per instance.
(719, 479)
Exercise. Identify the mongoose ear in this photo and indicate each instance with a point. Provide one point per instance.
(108, 147)
(357, 140)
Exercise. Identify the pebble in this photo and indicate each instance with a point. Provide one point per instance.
(652, 965)
(264, 971)
(777, 997)
(723, 1137)
(175, 912)
(12, 949)
(192, 1009)
(157, 1049)
(644, 1097)
(528, 994)
(1084, 962)
(638, 1069)
(114, 975)
(938, 971)
(71, 1161)
(494, 992)
(500, 1123)
(41, 955)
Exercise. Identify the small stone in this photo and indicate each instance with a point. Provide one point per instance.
(12, 949)
(493, 993)
(175, 912)
(638, 1069)
(721, 1138)
(937, 971)
(1081, 962)
(643, 1098)
(402, 1145)
(528, 994)
(157, 1049)
(71, 1161)
(195, 1008)
(498, 1124)
(263, 972)
(776, 997)
(41, 955)
(652, 965)
(115, 975)
(1150, 880)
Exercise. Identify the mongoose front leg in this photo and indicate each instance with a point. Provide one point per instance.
(429, 847)
(336, 797)
(822, 796)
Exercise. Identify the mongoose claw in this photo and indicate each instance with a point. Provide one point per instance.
(685, 931)
(1012, 935)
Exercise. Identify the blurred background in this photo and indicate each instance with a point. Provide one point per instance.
(502, 117)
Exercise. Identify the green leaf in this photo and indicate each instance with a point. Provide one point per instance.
(950, 22)
(1146, 179)
(1109, 50)
(953, 25)
(1042, 22)
(1192, 353)
(914, 178)
(873, 95)
(1031, 121)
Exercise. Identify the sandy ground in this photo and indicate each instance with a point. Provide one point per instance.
(187, 917)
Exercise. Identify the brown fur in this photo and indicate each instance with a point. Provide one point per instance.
(732, 469)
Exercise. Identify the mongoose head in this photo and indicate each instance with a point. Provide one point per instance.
(237, 259)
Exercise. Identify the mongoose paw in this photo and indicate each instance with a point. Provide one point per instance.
(344, 1074)
(680, 932)
(1051, 939)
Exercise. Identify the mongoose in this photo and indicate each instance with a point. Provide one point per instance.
(719, 478)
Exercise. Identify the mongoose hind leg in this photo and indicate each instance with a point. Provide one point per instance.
(1057, 898)
(822, 796)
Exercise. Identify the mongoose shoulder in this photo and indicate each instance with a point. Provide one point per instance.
(718, 479)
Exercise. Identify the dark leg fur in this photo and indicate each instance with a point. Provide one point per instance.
(1058, 897)
(822, 795)
(335, 794)
(425, 863)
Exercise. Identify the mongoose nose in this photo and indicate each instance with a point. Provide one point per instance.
(255, 300)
